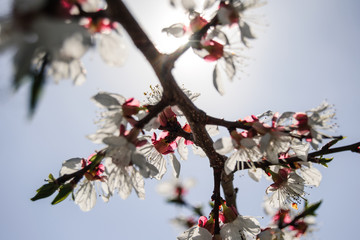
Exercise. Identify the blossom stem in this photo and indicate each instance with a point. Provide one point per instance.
(76, 176)
(231, 125)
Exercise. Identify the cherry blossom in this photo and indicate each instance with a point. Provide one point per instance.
(308, 124)
(288, 187)
(227, 14)
(123, 179)
(273, 140)
(237, 226)
(85, 195)
(246, 152)
(117, 112)
(175, 188)
(195, 233)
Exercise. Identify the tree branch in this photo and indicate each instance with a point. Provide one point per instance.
(153, 112)
(311, 157)
(228, 124)
(172, 94)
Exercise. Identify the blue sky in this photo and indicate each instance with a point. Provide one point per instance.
(306, 52)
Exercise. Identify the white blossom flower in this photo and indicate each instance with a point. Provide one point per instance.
(155, 158)
(308, 124)
(311, 175)
(173, 187)
(195, 233)
(246, 152)
(241, 227)
(288, 187)
(256, 174)
(123, 179)
(85, 192)
(273, 138)
(111, 118)
(301, 149)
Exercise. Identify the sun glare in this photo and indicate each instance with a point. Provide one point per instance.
(168, 44)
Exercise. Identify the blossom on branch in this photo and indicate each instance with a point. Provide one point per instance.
(237, 226)
(118, 112)
(85, 195)
(308, 124)
(246, 151)
(288, 187)
(274, 140)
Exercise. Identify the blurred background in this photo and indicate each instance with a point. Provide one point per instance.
(305, 52)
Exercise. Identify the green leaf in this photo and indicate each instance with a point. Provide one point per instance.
(95, 160)
(64, 192)
(325, 161)
(38, 81)
(51, 178)
(45, 191)
(310, 210)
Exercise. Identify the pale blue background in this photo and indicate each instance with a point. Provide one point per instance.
(306, 51)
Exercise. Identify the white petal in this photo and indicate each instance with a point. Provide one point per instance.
(113, 49)
(125, 185)
(188, 4)
(255, 173)
(230, 163)
(115, 141)
(175, 165)
(248, 142)
(209, 3)
(198, 151)
(105, 192)
(212, 130)
(224, 145)
(166, 188)
(85, 197)
(138, 183)
(177, 30)
(311, 175)
(70, 166)
(195, 233)
(217, 80)
(107, 100)
(91, 5)
(98, 136)
(300, 149)
(264, 142)
(154, 158)
(182, 149)
(249, 224)
(77, 72)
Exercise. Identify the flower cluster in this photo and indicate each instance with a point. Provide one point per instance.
(50, 38)
(232, 226)
(287, 225)
(129, 156)
(274, 138)
(212, 37)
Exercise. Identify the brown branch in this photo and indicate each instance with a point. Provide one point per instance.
(228, 124)
(172, 94)
(352, 147)
(217, 198)
(228, 188)
(153, 112)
